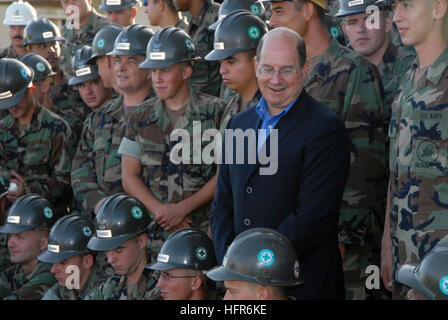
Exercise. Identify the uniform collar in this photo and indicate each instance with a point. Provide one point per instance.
(438, 67)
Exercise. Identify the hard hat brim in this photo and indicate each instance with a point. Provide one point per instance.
(25, 43)
(406, 275)
(14, 100)
(52, 257)
(116, 52)
(100, 244)
(221, 273)
(162, 266)
(213, 26)
(216, 54)
(155, 64)
(77, 80)
(15, 228)
(37, 78)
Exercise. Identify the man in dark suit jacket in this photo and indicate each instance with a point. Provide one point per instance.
(299, 192)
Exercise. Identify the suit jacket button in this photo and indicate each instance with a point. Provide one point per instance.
(249, 190)
(247, 222)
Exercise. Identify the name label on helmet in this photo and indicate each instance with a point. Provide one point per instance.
(53, 248)
(104, 233)
(113, 2)
(47, 34)
(17, 18)
(123, 46)
(163, 257)
(5, 95)
(13, 219)
(219, 45)
(157, 56)
(83, 72)
(355, 3)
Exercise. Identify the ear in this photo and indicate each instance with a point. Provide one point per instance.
(110, 62)
(439, 9)
(388, 23)
(46, 86)
(149, 74)
(308, 10)
(196, 283)
(263, 293)
(88, 261)
(161, 4)
(142, 240)
(134, 12)
(186, 72)
(43, 243)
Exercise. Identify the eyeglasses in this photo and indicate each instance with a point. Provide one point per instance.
(166, 276)
(284, 72)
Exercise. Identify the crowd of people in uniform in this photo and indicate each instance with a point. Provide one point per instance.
(348, 96)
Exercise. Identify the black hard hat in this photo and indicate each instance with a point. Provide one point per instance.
(68, 237)
(41, 30)
(228, 6)
(120, 218)
(29, 212)
(430, 276)
(104, 40)
(81, 69)
(15, 79)
(186, 249)
(116, 5)
(167, 47)
(132, 41)
(41, 67)
(262, 256)
(239, 31)
(349, 7)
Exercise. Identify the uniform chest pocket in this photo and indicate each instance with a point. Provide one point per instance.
(37, 154)
(429, 148)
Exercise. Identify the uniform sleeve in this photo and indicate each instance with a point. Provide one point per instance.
(34, 289)
(83, 175)
(363, 118)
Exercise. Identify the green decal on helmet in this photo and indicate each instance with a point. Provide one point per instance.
(201, 253)
(254, 32)
(189, 44)
(334, 32)
(40, 66)
(266, 257)
(254, 9)
(101, 43)
(137, 212)
(87, 231)
(48, 212)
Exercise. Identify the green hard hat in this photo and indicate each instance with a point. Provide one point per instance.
(262, 256)
(41, 30)
(167, 47)
(116, 5)
(104, 41)
(430, 275)
(68, 237)
(15, 79)
(349, 7)
(29, 212)
(119, 218)
(239, 31)
(132, 41)
(228, 6)
(81, 69)
(41, 67)
(186, 249)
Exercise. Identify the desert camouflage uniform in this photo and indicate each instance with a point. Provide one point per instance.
(206, 76)
(16, 285)
(40, 153)
(58, 292)
(150, 130)
(418, 163)
(115, 288)
(77, 38)
(349, 85)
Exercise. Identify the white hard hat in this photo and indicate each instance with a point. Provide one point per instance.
(19, 13)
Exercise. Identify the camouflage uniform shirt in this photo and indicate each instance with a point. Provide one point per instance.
(148, 140)
(8, 52)
(39, 152)
(206, 76)
(58, 292)
(349, 85)
(234, 105)
(16, 285)
(96, 167)
(77, 38)
(419, 163)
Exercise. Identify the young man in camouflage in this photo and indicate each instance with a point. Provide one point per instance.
(28, 222)
(75, 35)
(205, 77)
(43, 37)
(349, 85)
(177, 194)
(416, 202)
(372, 41)
(163, 13)
(96, 168)
(122, 225)
(120, 12)
(74, 265)
(17, 15)
(34, 142)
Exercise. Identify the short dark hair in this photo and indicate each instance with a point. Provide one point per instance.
(170, 4)
(301, 50)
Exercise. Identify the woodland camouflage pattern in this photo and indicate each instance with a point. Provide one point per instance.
(168, 182)
(418, 134)
(233, 106)
(15, 285)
